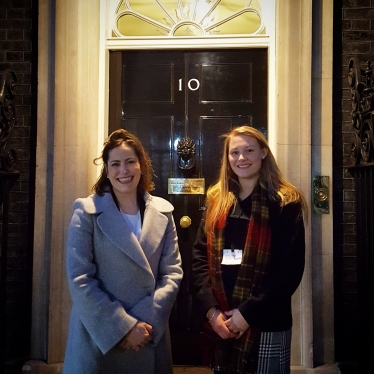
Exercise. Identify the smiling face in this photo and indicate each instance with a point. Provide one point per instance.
(123, 170)
(245, 157)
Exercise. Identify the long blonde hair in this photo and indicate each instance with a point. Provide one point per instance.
(222, 195)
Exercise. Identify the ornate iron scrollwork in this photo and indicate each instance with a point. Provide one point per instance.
(8, 83)
(186, 150)
(362, 114)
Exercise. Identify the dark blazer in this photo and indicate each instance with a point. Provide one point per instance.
(270, 308)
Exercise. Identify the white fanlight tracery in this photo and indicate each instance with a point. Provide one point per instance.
(169, 18)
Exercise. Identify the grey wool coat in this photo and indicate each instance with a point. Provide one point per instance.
(115, 281)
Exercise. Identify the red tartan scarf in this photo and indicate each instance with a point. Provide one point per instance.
(255, 263)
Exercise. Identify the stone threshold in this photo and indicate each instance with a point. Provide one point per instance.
(40, 367)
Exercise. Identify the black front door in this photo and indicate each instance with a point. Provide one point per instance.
(171, 98)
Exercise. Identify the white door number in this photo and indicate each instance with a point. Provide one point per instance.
(193, 84)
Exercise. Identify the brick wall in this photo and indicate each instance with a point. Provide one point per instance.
(353, 37)
(18, 52)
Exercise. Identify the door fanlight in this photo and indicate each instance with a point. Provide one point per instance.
(176, 18)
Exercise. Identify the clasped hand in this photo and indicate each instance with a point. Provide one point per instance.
(137, 337)
(230, 324)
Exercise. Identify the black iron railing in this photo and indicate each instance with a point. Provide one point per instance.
(8, 82)
(8, 177)
(362, 88)
(362, 114)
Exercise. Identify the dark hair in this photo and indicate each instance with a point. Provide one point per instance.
(115, 139)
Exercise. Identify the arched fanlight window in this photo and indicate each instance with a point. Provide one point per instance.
(137, 18)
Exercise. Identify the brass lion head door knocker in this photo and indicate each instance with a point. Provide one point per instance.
(186, 150)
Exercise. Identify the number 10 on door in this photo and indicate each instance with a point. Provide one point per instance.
(193, 84)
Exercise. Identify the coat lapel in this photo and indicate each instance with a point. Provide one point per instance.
(116, 230)
(153, 230)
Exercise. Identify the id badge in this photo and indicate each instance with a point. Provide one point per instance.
(232, 257)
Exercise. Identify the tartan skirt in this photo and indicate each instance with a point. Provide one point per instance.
(274, 353)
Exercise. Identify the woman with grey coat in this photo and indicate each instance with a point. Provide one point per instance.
(123, 268)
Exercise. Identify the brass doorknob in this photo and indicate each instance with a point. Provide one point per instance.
(185, 222)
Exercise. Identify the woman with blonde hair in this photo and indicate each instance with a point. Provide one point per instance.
(249, 258)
